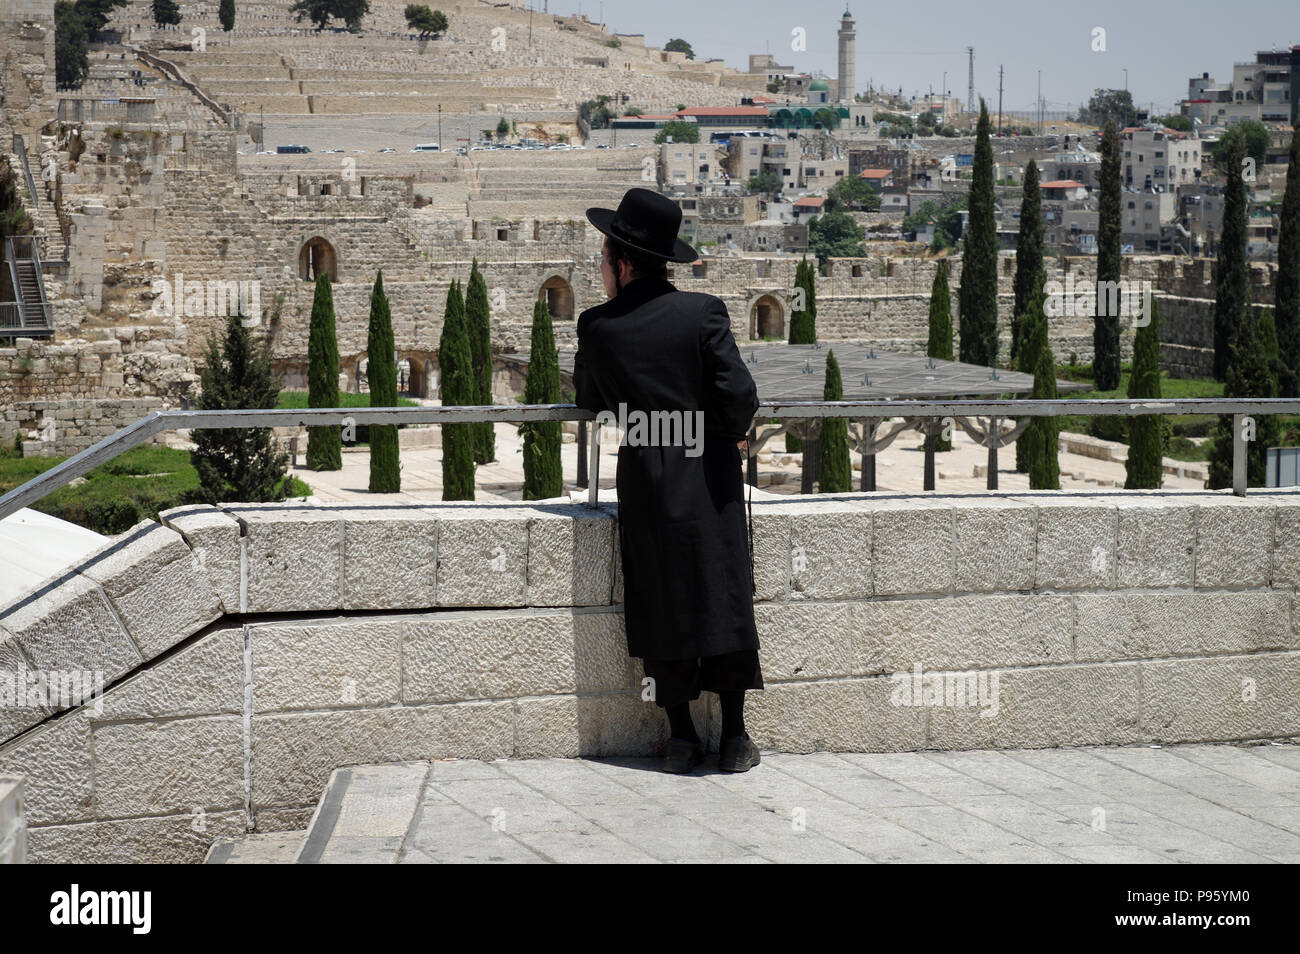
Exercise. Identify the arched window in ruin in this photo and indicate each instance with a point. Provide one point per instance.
(767, 318)
(559, 297)
(317, 258)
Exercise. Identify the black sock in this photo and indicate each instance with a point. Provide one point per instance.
(680, 722)
(733, 713)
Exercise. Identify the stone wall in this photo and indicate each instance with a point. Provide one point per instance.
(13, 828)
(251, 649)
(26, 68)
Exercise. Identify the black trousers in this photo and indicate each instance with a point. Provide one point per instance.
(681, 680)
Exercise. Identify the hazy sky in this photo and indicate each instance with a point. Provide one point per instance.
(1161, 42)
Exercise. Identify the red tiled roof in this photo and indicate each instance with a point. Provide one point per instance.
(723, 111)
(813, 201)
(875, 173)
(1061, 184)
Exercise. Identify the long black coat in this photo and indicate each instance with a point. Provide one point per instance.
(687, 559)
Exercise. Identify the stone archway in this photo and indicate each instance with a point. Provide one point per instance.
(767, 318)
(317, 257)
(558, 294)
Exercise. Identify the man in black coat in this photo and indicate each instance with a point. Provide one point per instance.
(664, 364)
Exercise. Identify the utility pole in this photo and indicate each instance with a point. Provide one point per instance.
(999, 102)
(440, 125)
(1040, 102)
(970, 81)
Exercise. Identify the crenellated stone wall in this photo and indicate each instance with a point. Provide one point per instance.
(249, 650)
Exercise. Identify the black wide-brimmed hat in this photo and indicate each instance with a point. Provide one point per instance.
(647, 222)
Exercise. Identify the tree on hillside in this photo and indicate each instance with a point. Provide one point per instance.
(95, 14)
(854, 194)
(835, 234)
(1105, 326)
(679, 130)
(351, 12)
(803, 324)
(324, 443)
(70, 62)
(1286, 288)
(1232, 274)
(166, 12)
(1040, 437)
(1177, 121)
(1109, 106)
(836, 472)
(478, 328)
(677, 45)
(977, 318)
(381, 372)
(458, 389)
(238, 464)
(1147, 434)
(543, 477)
(1253, 137)
(1252, 372)
(1029, 252)
(425, 21)
(226, 14)
(320, 12)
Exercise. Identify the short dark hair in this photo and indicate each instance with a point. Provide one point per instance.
(643, 265)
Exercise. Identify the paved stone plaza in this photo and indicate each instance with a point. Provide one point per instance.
(1180, 804)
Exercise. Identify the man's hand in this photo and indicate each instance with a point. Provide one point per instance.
(742, 445)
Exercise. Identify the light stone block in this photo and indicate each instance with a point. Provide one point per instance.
(570, 556)
(1076, 545)
(294, 753)
(206, 678)
(326, 664)
(1043, 707)
(482, 556)
(54, 761)
(174, 839)
(168, 767)
(157, 586)
(389, 559)
(1208, 700)
(213, 536)
(600, 659)
(15, 713)
(1155, 543)
(912, 549)
(771, 555)
(994, 544)
(836, 716)
(462, 656)
(830, 551)
(806, 641)
(1286, 545)
(295, 556)
(547, 728)
(1152, 625)
(613, 724)
(1234, 542)
(961, 632)
(68, 624)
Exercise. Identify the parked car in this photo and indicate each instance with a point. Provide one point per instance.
(388, 149)
(427, 147)
(282, 150)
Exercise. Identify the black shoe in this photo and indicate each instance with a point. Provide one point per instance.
(738, 754)
(683, 755)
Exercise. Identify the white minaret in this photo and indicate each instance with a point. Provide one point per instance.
(848, 56)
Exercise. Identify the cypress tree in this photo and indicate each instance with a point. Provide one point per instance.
(1026, 360)
(1287, 286)
(836, 473)
(1146, 447)
(456, 374)
(803, 327)
(940, 342)
(1029, 252)
(385, 468)
(1040, 437)
(1232, 275)
(479, 327)
(543, 477)
(324, 444)
(238, 464)
(226, 13)
(1252, 372)
(977, 320)
(1105, 331)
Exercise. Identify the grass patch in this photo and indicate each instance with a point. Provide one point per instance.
(136, 486)
(297, 400)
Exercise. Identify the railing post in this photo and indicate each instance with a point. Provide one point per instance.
(928, 477)
(593, 484)
(995, 432)
(1238, 455)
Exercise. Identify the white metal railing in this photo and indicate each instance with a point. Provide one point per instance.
(866, 411)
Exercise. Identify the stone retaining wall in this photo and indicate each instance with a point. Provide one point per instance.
(251, 649)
